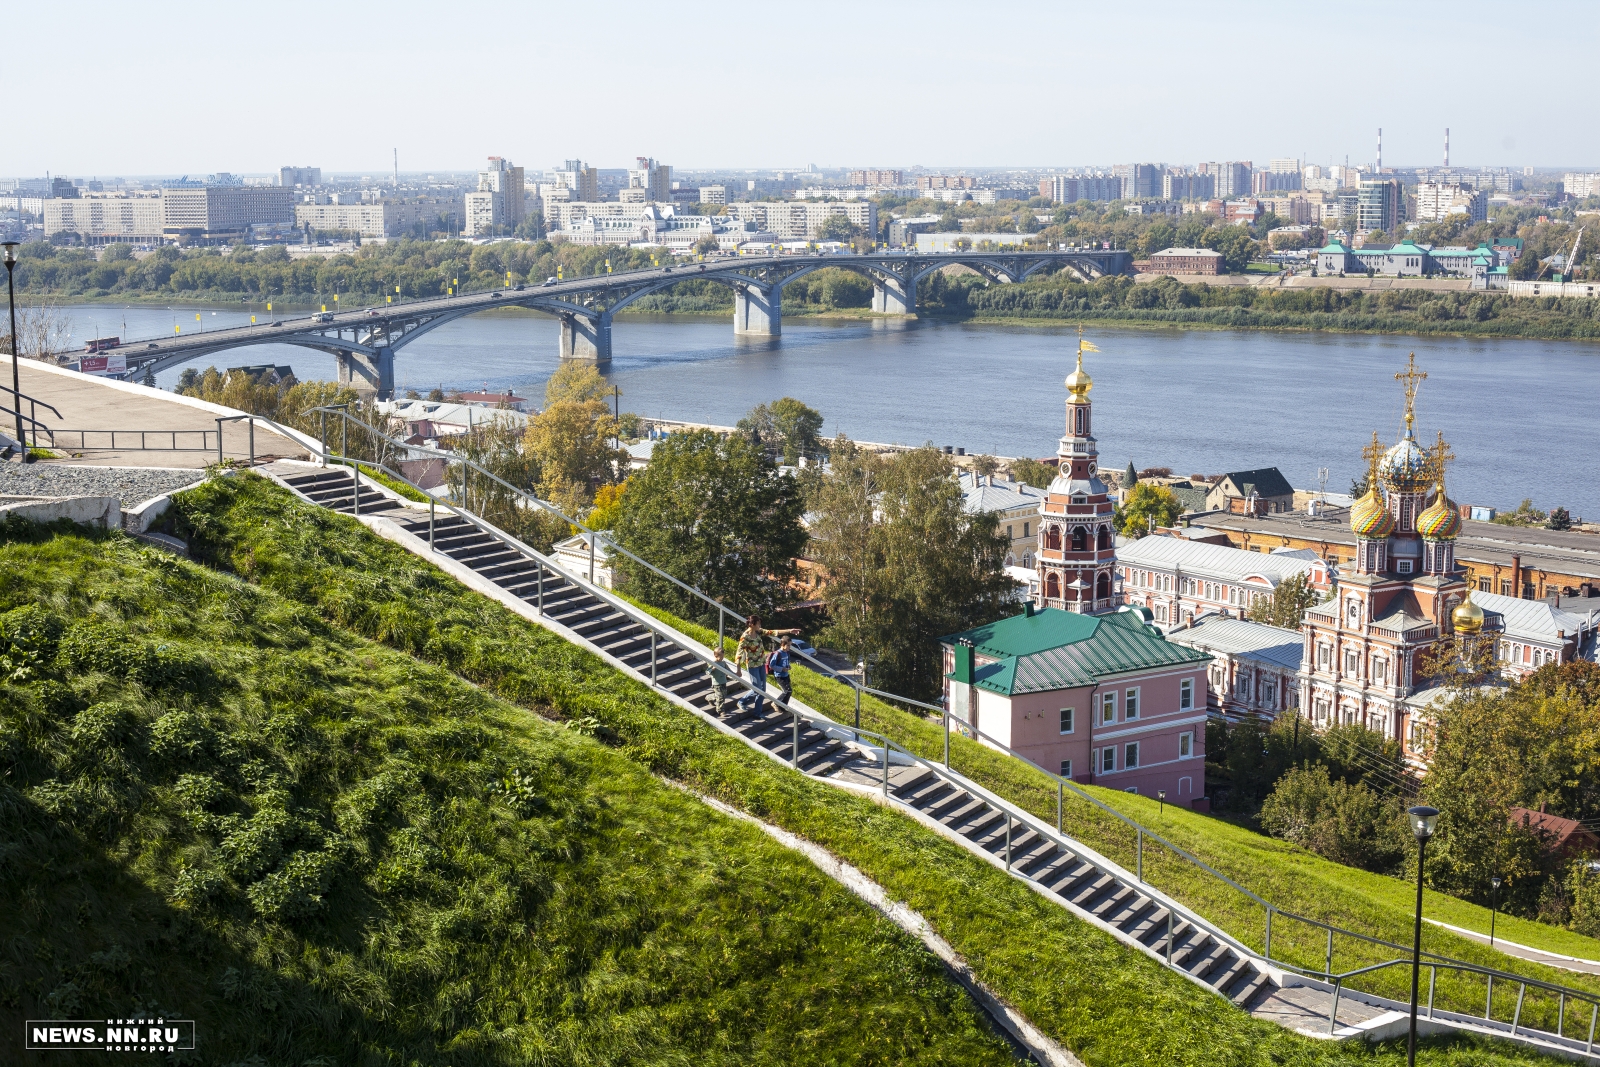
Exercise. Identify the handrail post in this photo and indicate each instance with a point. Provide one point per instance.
(1561, 1015)
(323, 435)
(355, 488)
(1059, 788)
(1169, 937)
(219, 442)
(1333, 1013)
(1522, 987)
(541, 588)
(431, 503)
(722, 618)
(1008, 841)
(794, 741)
(947, 739)
(1594, 1013)
(1488, 1001)
(1267, 951)
(886, 766)
(1139, 857)
(858, 724)
(251, 422)
(591, 558)
(1433, 976)
(1329, 969)
(652, 657)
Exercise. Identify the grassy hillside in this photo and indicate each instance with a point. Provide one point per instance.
(1291, 877)
(1110, 1006)
(216, 806)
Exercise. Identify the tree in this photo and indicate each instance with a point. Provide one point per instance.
(836, 227)
(1560, 519)
(1359, 487)
(906, 563)
(1148, 505)
(570, 441)
(787, 427)
(1287, 605)
(716, 513)
(984, 465)
(1032, 472)
(1346, 823)
(706, 245)
(1525, 515)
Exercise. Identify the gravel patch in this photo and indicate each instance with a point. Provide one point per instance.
(132, 485)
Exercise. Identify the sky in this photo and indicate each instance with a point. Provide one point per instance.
(177, 87)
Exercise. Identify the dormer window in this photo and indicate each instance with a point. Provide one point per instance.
(1080, 500)
(1403, 566)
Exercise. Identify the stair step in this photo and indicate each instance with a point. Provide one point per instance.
(1237, 970)
(1248, 991)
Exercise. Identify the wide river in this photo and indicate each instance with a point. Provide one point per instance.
(1519, 414)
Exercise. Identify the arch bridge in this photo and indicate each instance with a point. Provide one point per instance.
(364, 342)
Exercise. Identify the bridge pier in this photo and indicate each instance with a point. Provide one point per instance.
(758, 311)
(368, 374)
(586, 338)
(890, 299)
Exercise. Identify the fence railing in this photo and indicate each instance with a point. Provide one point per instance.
(1141, 835)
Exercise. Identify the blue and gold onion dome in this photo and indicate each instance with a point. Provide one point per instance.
(1441, 521)
(1405, 467)
(1369, 518)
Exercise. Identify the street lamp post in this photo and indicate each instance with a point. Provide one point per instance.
(1494, 905)
(1161, 801)
(16, 355)
(1423, 821)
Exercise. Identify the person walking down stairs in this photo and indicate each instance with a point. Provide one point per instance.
(752, 657)
(778, 668)
(722, 676)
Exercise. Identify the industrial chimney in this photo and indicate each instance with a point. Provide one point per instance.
(1447, 148)
(1380, 150)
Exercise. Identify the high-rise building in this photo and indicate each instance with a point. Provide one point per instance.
(1437, 201)
(1379, 205)
(1175, 186)
(1232, 179)
(1281, 176)
(877, 177)
(1139, 180)
(1580, 185)
(498, 204)
(217, 211)
(581, 182)
(946, 181)
(797, 220)
(292, 176)
(105, 219)
(650, 181)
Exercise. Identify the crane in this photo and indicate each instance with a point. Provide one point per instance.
(1570, 261)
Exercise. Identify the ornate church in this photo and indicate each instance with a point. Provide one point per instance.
(1363, 655)
(1077, 547)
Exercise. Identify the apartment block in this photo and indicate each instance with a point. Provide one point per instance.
(105, 220)
(797, 220)
(877, 177)
(289, 177)
(223, 210)
(1437, 201)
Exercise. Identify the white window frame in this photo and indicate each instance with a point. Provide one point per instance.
(1186, 745)
(1186, 695)
(1066, 769)
(1131, 749)
(1108, 759)
(1069, 722)
(1108, 703)
(1130, 704)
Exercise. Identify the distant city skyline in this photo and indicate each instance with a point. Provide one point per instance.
(731, 86)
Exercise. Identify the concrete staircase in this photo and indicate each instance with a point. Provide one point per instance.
(1094, 888)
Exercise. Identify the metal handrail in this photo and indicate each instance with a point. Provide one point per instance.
(889, 744)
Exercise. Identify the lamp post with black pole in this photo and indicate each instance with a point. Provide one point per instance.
(16, 359)
(1494, 904)
(1423, 821)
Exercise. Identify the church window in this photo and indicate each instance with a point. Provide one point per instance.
(1052, 586)
(1103, 542)
(1353, 611)
(1080, 539)
(1102, 587)
(1052, 538)
(1404, 566)
(1352, 663)
(1380, 671)
(1324, 656)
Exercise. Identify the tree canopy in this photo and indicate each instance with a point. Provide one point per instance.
(787, 427)
(1148, 504)
(716, 513)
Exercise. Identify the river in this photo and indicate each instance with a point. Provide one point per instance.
(1199, 401)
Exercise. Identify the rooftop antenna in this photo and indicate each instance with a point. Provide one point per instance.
(1380, 151)
(1322, 485)
(397, 169)
(1447, 148)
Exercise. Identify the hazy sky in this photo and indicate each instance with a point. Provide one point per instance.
(96, 88)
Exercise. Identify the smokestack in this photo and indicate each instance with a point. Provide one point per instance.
(1447, 148)
(1380, 150)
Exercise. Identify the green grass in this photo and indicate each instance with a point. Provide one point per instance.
(1106, 1003)
(1289, 876)
(219, 807)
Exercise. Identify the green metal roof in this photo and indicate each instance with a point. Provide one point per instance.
(1055, 649)
(1335, 247)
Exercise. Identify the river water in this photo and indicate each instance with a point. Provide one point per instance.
(1518, 414)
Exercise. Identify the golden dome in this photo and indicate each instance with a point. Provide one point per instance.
(1468, 617)
(1441, 521)
(1369, 518)
(1078, 382)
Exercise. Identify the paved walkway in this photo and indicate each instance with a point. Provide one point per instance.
(168, 424)
(1525, 952)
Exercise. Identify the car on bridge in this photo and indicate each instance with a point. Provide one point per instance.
(322, 316)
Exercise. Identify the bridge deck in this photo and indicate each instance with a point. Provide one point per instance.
(90, 403)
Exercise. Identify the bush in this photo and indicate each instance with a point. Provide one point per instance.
(1346, 823)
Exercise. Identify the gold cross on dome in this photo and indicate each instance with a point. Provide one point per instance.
(1439, 455)
(1372, 453)
(1412, 377)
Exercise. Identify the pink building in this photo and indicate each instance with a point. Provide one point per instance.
(1099, 699)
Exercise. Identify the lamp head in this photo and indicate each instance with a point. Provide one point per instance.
(11, 252)
(1161, 794)
(1423, 821)
(1496, 881)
